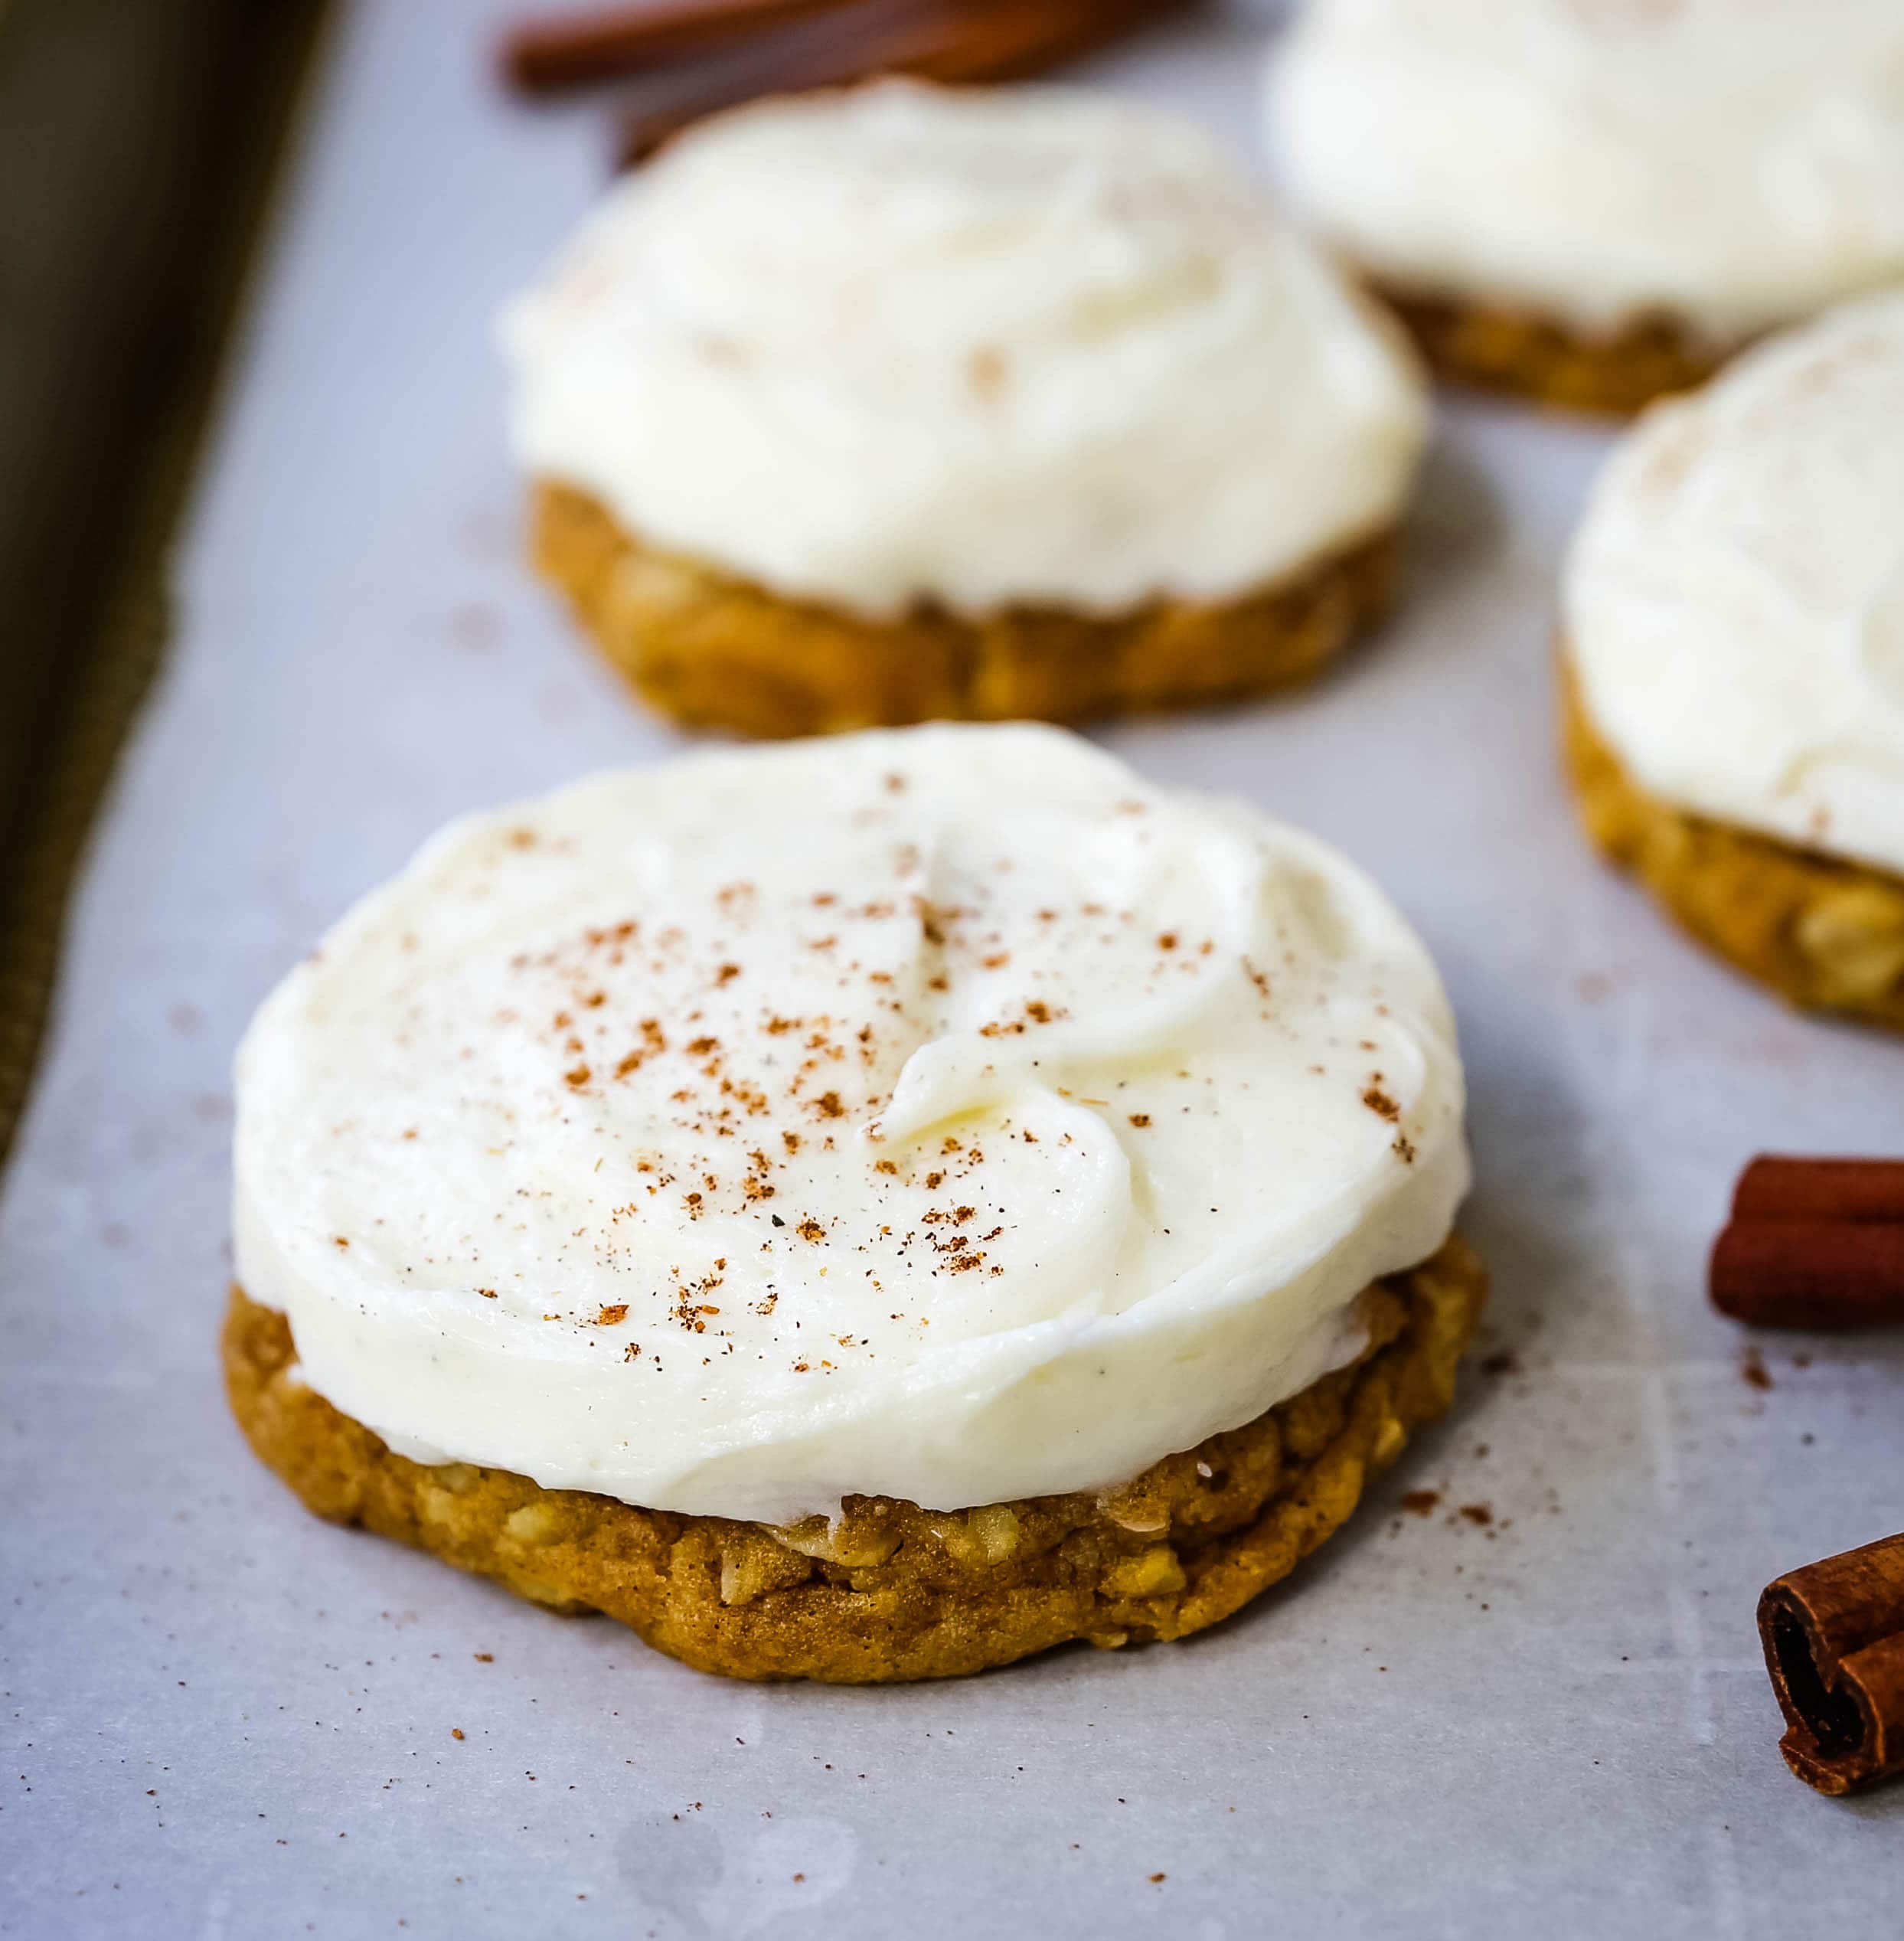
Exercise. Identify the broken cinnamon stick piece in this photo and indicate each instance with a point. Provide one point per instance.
(1810, 1273)
(978, 41)
(1833, 1635)
(577, 50)
(1777, 1187)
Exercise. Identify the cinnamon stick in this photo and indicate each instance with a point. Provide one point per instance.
(576, 50)
(1777, 1187)
(978, 41)
(1833, 1636)
(1809, 1273)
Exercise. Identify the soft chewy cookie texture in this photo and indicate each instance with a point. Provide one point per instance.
(1613, 373)
(860, 409)
(889, 1591)
(666, 1196)
(1826, 933)
(1734, 651)
(716, 650)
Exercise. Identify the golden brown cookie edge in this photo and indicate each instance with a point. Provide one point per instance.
(892, 1591)
(1522, 353)
(713, 650)
(1825, 934)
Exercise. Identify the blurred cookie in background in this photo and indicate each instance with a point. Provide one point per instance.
(1734, 660)
(1592, 202)
(901, 402)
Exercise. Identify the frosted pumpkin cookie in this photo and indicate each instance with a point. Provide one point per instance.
(1596, 201)
(905, 402)
(868, 1210)
(1734, 660)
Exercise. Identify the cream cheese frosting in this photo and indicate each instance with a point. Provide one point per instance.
(1734, 598)
(945, 1114)
(1735, 164)
(978, 347)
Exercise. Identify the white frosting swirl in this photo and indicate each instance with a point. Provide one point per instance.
(1735, 163)
(945, 1114)
(979, 347)
(1734, 599)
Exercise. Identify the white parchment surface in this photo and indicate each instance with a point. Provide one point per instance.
(223, 1718)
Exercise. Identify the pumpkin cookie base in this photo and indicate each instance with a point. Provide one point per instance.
(1614, 373)
(712, 650)
(1825, 934)
(890, 1591)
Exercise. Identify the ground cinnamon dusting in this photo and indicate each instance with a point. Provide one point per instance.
(723, 1064)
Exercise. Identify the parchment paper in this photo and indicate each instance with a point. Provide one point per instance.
(232, 1720)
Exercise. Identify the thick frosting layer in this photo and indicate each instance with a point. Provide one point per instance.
(982, 347)
(1734, 163)
(1735, 600)
(945, 1114)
